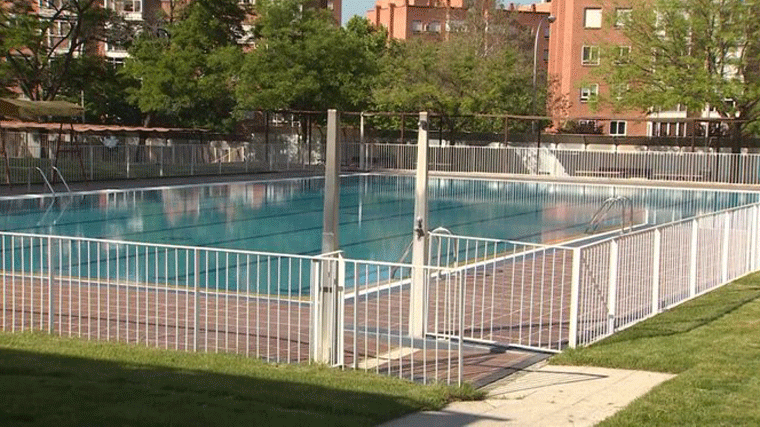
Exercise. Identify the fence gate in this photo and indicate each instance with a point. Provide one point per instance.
(506, 293)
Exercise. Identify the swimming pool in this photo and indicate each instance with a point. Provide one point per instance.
(285, 216)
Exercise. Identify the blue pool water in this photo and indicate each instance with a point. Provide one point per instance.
(376, 212)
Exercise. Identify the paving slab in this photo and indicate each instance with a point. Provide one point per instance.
(545, 395)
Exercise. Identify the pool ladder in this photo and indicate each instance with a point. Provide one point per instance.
(604, 210)
(54, 171)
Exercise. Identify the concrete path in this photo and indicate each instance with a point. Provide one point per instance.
(545, 396)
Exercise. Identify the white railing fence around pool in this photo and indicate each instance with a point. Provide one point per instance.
(621, 281)
(355, 313)
(99, 162)
(735, 168)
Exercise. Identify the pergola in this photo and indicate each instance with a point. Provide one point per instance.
(36, 111)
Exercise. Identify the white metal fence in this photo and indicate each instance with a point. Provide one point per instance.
(99, 162)
(356, 313)
(689, 166)
(271, 306)
(623, 280)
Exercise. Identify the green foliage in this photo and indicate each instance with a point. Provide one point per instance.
(689, 52)
(302, 61)
(104, 91)
(187, 70)
(483, 70)
(37, 64)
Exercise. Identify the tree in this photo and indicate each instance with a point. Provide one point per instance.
(104, 90)
(187, 70)
(696, 53)
(38, 48)
(483, 69)
(302, 61)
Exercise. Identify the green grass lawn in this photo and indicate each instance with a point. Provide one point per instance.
(50, 381)
(712, 343)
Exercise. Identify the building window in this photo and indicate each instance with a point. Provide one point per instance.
(57, 32)
(434, 27)
(592, 18)
(622, 55)
(416, 26)
(127, 6)
(617, 128)
(589, 92)
(622, 15)
(590, 55)
(668, 129)
(546, 55)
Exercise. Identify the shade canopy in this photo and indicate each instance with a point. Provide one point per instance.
(33, 110)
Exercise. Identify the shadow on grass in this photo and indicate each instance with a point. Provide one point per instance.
(54, 390)
(695, 313)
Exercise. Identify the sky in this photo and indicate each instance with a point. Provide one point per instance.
(360, 7)
(356, 7)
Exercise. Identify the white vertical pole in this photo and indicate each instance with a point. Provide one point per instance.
(575, 285)
(51, 304)
(328, 288)
(417, 317)
(693, 263)
(196, 296)
(612, 291)
(754, 240)
(656, 271)
(332, 186)
(725, 248)
(362, 148)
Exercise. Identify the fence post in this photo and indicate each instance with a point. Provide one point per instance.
(92, 161)
(725, 247)
(362, 148)
(612, 290)
(656, 271)
(753, 239)
(192, 159)
(51, 304)
(126, 151)
(161, 159)
(460, 355)
(196, 290)
(417, 303)
(575, 284)
(693, 256)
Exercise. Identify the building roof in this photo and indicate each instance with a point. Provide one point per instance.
(34, 110)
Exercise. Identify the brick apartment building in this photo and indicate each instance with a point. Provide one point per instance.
(136, 11)
(434, 19)
(569, 49)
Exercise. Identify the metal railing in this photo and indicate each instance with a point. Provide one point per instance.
(687, 166)
(623, 280)
(151, 161)
(515, 293)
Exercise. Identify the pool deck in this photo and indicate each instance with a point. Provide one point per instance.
(482, 364)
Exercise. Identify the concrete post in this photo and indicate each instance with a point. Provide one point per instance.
(332, 186)
(362, 149)
(328, 345)
(417, 306)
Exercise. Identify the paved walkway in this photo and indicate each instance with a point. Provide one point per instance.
(545, 395)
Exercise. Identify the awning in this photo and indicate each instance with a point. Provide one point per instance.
(33, 110)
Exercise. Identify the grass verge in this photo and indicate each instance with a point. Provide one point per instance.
(712, 343)
(47, 380)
